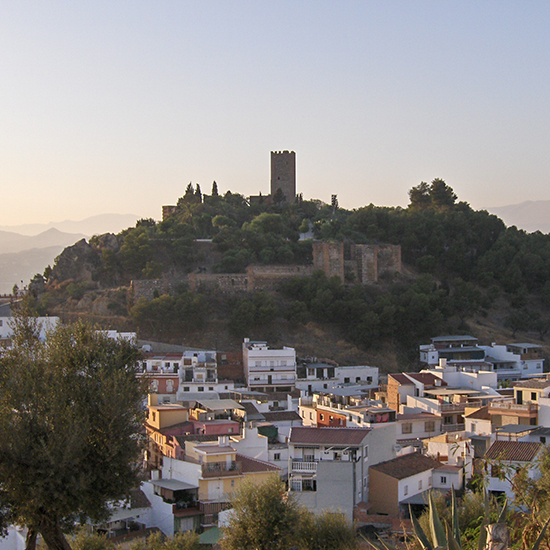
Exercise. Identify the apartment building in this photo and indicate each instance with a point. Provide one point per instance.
(329, 467)
(269, 370)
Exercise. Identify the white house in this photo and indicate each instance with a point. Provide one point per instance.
(45, 324)
(314, 377)
(504, 458)
(267, 369)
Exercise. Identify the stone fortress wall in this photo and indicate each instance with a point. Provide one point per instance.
(362, 263)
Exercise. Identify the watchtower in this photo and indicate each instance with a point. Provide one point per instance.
(283, 174)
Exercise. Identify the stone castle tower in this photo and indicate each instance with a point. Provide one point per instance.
(283, 174)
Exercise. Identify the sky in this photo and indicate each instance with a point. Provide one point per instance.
(116, 106)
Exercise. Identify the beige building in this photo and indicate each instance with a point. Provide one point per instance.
(396, 481)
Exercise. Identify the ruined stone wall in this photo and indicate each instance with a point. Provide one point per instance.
(366, 260)
(146, 288)
(268, 277)
(389, 259)
(329, 257)
(226, 282)
(373, 260)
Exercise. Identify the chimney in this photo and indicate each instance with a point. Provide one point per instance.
(152, 399)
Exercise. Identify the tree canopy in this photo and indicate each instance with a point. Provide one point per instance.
(71, 409)
(267, 517)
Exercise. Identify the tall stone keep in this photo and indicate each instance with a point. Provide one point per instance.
(283, 174)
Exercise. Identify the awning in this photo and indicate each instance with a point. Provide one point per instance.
(172, 484)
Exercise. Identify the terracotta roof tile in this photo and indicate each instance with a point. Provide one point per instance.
(251, 465)
(328, 436)
(535, 384)
(513, 451)
(480, 414)
(406, 465)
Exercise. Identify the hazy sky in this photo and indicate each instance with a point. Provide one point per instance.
(114, 106)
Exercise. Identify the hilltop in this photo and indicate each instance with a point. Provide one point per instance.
(188, 276)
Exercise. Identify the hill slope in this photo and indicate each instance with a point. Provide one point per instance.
(463, 267)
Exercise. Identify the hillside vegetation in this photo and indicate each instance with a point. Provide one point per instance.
(465, 271)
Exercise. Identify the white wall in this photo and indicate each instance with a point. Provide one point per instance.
(15, 539)
(253, 445)
(420, 404)
(46, 324)
(160, 514)
(412, 485)
(181, 470)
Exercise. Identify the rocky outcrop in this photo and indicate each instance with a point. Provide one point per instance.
(107, 241)
(77, 263)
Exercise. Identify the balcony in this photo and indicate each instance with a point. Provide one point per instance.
(304, 466)
(453, 427)
(452, 407)
(221, 469)
(497, 407)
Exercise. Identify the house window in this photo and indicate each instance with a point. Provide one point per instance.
(358, 379)
(185, 388)
(420, 485)
(325, 386)
(311, 416)
(406, 490)
(346, 380)
(321, 417)
(406, 428)
(533, 396)
(200, 388)
(543, 440)
(210, 388)
(167, 365)
(443, 480)
(448, 420)
(277, 456)
(369, 379)
(429, 426)
(232, 483)
(154, 416)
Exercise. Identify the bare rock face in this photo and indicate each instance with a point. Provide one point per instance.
(107, 241)
(77, 262)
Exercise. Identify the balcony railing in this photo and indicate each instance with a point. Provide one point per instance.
(304, 466)
(221, 469)
(510, 406)
(453, 427)
(452, 407)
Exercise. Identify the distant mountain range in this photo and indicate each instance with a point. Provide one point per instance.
(529, 215)
(94, 225)
(28, 249)
(15, 242)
